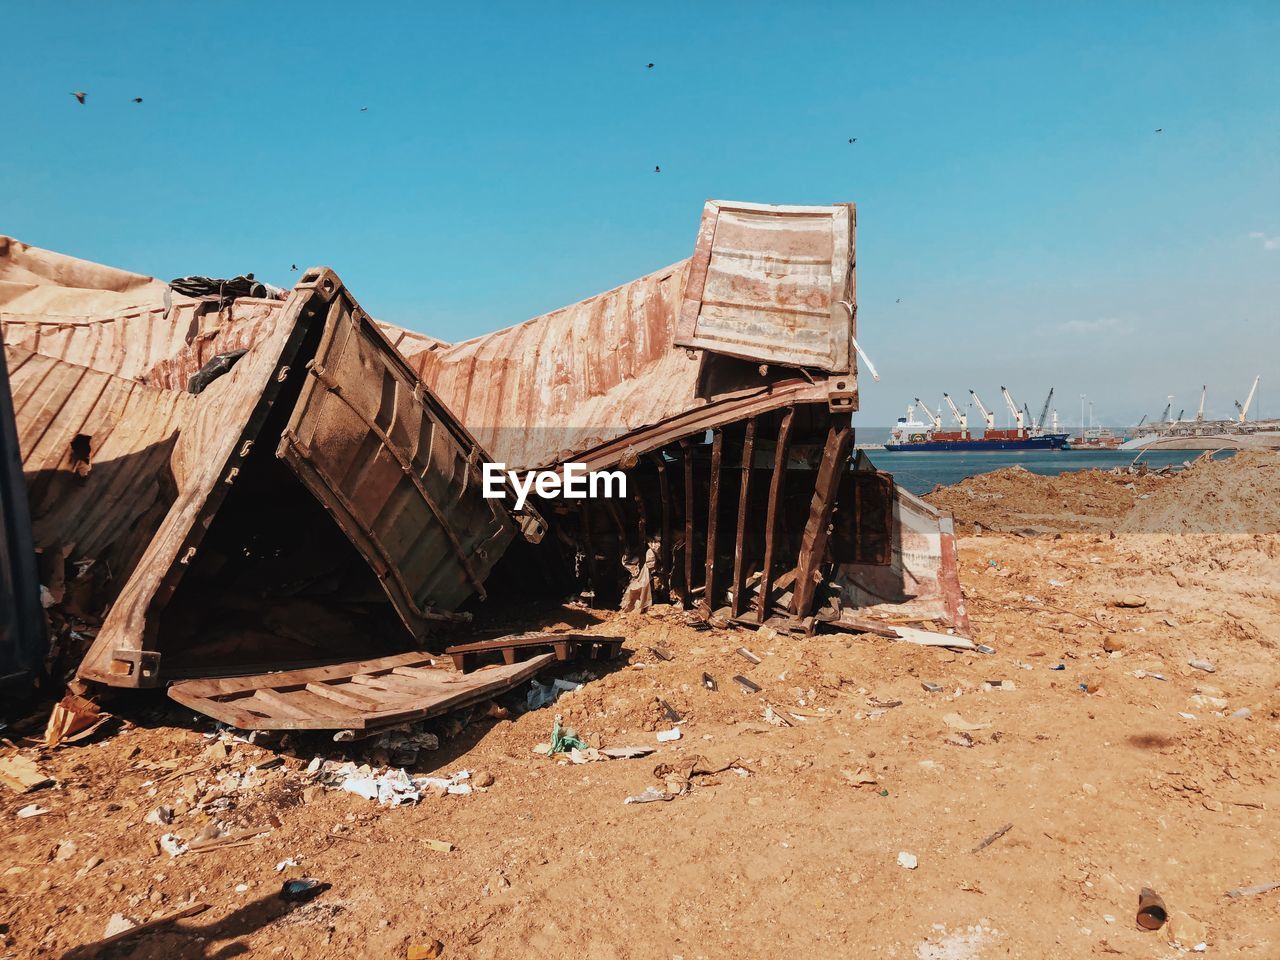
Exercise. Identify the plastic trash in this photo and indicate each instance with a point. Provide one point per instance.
(302, 889)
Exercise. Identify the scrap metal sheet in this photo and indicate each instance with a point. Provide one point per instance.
(772, 284)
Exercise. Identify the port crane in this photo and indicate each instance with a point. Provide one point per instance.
(961, 418)
(1244, 410)
(1200, 413)
(988, 417)
(1044, 412)
(1164, 417)
(936, 418)
(1017, 414)
(1142, 421)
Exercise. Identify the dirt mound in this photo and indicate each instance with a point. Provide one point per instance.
(1238, 495)
(1014, 498)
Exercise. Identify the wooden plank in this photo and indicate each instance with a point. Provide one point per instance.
(817, 530)
(713, 513)
(744, 496)
(269, 702)
(298, 678)
(343, 695)
(777, 484)
(392, 684)
(450, 692)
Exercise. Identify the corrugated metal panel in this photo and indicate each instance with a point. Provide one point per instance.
(117, 322)
(395, 469)
(365, 438)
(772, 284)
(537, 392)
(95, 451)
(22, 637)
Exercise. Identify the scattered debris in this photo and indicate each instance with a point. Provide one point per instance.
(173, 845)
(957, 722)
(302, 889)
(21, 775)
(747, 655)
(649, 795)
(1254, 890)
(993, 838)
(907, 860)
(440, 846)
(31, 810)
(708, 681)
(1151, 910)
(73, 720)
(1204, 665)
(1187, 932)
(666, 736)
(746, 684)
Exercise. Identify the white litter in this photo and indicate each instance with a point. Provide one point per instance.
(172, 845)
(666, 736)
(908, 860)
(31, 810)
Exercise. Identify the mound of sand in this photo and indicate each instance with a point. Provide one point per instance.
(1014, 498)
(1239, 495)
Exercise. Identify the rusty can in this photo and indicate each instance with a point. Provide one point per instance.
(1151, 910)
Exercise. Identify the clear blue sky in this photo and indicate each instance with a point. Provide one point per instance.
(1011, 189)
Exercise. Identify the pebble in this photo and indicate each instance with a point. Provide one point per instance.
(482, 778)
(1090, 789)
(908, 860)
(1204, 665)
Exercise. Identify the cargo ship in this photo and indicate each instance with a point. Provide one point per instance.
(910, 434)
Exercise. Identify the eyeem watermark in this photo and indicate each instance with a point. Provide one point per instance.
(573, 482)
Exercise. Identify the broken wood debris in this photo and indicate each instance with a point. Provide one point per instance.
(993, 838)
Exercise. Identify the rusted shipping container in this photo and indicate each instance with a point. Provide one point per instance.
(244, 572)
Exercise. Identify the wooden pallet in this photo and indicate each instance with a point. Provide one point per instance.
(349, 696)
(564, 646)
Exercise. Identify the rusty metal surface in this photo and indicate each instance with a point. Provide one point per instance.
(772, 284)
(22, 635)
(96, 454)
(395, 469)
(117, 322)
(364, 437)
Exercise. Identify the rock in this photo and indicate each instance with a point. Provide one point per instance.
(1090, 789)
(482, 778)
(66, 850)
(908, 860)
(161, 816)
(1131, 600)
(118, 923)
(1211, 804)
(1186, 931)
(312, 793)
(1204, 665)
(426, 951)
(1112, 644)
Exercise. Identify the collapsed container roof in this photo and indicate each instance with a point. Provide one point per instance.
(766, 300)
(222, 565)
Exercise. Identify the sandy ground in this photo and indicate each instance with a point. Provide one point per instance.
(1129, 782)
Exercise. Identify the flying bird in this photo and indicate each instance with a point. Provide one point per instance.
(899, 300)
(853, 139)
(80, 95)
(650, 66)
(364, 109)
(137, 99)
(293, 267)
(657, 169)
(1159, 129)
